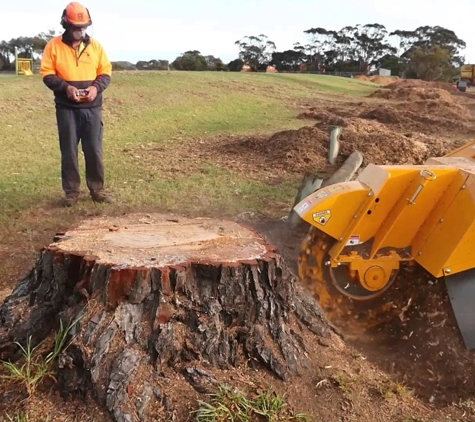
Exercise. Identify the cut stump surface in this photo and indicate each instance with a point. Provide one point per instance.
(156, 241)
(162, 304)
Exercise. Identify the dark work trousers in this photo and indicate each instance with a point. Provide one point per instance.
(85, 125)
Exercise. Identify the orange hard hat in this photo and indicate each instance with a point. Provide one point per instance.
(76, 14)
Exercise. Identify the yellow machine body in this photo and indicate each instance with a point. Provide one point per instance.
(467, 72)
(362, 230)
(390, 214)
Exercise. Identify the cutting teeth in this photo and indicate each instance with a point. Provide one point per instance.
(317, 275)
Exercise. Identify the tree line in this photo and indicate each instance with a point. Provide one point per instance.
(28, 47)
(428, 52)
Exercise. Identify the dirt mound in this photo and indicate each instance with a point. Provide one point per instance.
(382, 80)
(377, 79)
(411, 83)
(422, 116)
(381, 145)
(294, 150)
(448, 109)
(362, 78)
(426, 116)
(419, 121)
(323, 116)
(406, 93)
(425, 109)
(306, 149)
(383, 114)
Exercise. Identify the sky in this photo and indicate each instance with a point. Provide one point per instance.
(145, 29)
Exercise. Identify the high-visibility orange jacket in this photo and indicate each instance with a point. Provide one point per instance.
(63, 65)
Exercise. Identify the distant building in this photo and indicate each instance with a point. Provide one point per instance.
(380, 71)
(384, 72)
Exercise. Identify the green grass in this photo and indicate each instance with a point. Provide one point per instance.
(18, 417)
(163, 108)
(228, 404)
(35, 368)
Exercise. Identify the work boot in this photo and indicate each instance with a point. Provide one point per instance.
(101, 197)
(70, 199)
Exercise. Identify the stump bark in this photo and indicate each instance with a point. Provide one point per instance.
(155, 298)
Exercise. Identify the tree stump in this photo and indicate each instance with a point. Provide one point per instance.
(160, 299)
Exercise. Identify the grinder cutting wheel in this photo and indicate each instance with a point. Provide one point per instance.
(364, 231)
(342, 294)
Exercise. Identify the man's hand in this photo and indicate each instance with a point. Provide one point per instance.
(72, 93)
(91, 93)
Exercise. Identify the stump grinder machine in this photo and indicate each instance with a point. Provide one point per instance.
(364, 231)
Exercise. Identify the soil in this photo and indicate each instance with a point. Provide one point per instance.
(306, 149)
(423, 84)
(377, 79)
(414, 93)
(424, 349)
(415, 368)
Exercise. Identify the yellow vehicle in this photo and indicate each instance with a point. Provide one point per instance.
(467, 74)
(363, 231)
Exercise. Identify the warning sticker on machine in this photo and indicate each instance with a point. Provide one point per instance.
(303, 207)
(300, 210)
(353, 240)
(322, 217)
(321, 194)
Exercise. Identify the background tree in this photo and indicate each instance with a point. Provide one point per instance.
(319, 41)
(235, 65)
(190, 60)
(351, 49)
(432, 64)
(391, 62)
(422, 40)
(27, 47)
(194, 60)
(289, 60)
(256, 51)
(370, 44)
(152, 65)
(215, 63)
(428, 37)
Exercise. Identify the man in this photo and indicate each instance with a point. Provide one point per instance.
(73, 62)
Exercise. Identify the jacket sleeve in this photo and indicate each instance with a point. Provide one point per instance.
(48, 72)
(104, 70)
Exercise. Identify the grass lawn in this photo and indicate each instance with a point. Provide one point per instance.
(148, 107)
(166, 110)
